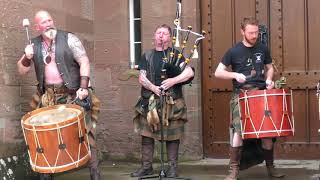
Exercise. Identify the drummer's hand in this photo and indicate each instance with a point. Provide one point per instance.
(270, 84)
(82, 93)
(28, 50)
(241, 78)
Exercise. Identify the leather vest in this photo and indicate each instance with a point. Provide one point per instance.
(175, 91)
(68, 68)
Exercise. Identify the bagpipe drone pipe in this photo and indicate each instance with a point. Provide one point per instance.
(178, 58)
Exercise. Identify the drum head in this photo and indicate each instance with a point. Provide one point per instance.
(53, 116)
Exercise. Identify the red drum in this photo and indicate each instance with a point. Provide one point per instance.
(56, 138)
(266, 113)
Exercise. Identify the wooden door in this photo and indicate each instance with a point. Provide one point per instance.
(294, 42)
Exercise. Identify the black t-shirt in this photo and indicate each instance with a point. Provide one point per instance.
(244, 59)
(158, 63)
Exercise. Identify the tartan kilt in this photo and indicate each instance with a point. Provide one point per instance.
(177, 120)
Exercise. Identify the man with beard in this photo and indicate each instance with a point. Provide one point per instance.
(62, 70)
(148, 109)
(251, 70)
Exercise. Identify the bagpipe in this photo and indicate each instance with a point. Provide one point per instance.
(172, 65)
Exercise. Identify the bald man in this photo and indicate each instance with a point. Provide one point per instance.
(62, 70)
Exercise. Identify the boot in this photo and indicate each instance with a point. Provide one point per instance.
(94, 162)
(94, 174)
(235, 156)
(147, 157)
(44, 176)
(272, 171)
(172, 155)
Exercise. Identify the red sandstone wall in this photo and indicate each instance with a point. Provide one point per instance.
(103, 26)
(111, 30)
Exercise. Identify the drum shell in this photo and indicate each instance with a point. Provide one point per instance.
(55, 159)
(279, 123)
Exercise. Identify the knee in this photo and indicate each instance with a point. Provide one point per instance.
(267, 144)
(147, 140)
(236, 140)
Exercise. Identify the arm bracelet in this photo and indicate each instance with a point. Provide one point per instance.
(84, 81)
(25, 61)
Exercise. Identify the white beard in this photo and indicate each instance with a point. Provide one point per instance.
(50, 34)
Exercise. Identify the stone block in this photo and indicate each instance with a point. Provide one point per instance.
(111, 51)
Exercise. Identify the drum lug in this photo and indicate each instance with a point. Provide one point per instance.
(40, 150)
(267, 113)
(62, 146)
(81, 139)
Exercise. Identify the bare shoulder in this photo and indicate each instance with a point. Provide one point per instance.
(76, 46)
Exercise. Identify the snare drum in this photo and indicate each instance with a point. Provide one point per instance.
(266, 113)
(56, 138)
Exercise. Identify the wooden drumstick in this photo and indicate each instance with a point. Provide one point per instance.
(318, 95)
(318, 109)
(26, 24)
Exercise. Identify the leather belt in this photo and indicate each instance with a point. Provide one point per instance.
(59, 89)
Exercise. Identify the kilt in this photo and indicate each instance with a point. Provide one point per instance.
(176, 118)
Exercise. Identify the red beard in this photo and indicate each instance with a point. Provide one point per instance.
(251, 41)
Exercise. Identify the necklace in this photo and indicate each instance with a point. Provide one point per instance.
(48, 50)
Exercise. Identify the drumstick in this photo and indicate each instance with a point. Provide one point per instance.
(319, 109)
(318, 95)
(26, 24)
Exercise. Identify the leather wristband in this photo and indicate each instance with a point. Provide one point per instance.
(84, 82)
(25, 61)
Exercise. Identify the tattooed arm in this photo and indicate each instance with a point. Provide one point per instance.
(144, 81)
(79, 54)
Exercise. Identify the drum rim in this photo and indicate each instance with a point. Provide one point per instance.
(259, 93)
(51, 125)
(61, 168)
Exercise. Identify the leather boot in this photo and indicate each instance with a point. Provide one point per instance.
(44, 176)
(94, 174)
(272, 171)
(172, 155)
(146, 158)
(94, 164)
(235, 156)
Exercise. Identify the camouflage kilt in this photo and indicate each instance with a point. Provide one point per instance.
(235, 110)
(176, 118)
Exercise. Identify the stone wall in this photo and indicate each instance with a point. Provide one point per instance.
(16, 90)
(111, 30)
(103, 26)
